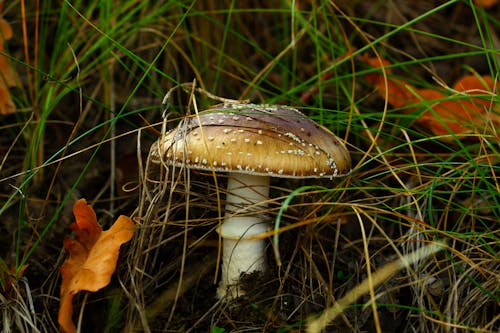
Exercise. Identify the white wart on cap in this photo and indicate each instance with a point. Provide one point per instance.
(270, 140)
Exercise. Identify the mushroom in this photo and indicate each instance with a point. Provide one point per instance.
(251, 143)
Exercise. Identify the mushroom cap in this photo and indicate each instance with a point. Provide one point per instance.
(267, 140)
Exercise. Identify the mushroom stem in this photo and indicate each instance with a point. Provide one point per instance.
(241, 253)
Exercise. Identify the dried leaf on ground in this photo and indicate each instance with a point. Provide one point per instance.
(8, 77)
(93, 254)
(466, 108)
(485, 3)
(395, 90)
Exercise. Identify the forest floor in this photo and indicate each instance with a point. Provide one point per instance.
(409, 86)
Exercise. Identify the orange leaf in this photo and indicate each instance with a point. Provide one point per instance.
(92, 257)
(464, 114)
(398, 92)
(444, 115)
(473, 84)
(8, 77)
(485, 3)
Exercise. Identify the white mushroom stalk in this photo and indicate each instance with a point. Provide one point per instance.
(241, 251)
(251, 143)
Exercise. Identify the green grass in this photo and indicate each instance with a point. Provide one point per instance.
(93, 79)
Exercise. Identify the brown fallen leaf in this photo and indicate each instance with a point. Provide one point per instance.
(461, 114)
(8, 77)
(398, 92)
(468, 110)
(485, 3)
(93, 254)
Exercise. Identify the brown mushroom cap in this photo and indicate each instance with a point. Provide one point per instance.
(268, 140)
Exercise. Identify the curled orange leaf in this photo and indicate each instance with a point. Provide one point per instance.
(93, 254)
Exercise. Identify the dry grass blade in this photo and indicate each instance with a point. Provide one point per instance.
(318, 324)
(18, 312)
